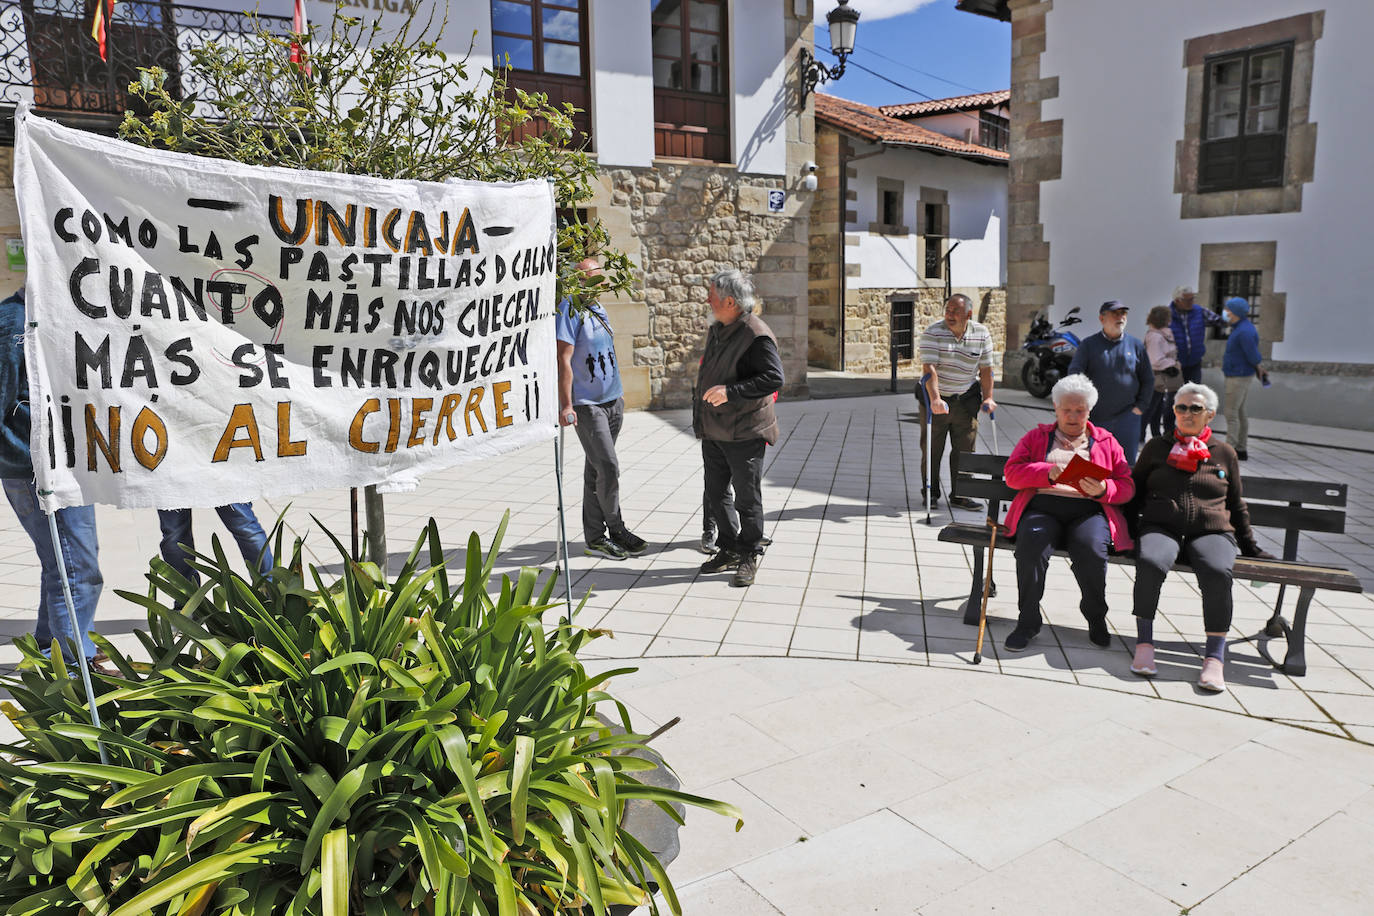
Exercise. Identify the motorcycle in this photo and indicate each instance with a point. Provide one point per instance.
(1049, 351)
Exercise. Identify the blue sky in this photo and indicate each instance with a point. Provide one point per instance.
(926, 45)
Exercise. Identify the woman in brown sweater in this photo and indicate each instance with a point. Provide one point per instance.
(1188, 492)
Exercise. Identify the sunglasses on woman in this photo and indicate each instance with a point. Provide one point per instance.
(1190, 408)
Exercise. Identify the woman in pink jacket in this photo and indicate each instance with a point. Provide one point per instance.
(1083, 518)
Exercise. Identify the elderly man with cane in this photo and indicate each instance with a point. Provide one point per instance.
(956, 365)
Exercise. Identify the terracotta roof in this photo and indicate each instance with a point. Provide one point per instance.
(944, 106)
(869, 123)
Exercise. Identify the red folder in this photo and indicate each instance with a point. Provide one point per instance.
(1081, 467)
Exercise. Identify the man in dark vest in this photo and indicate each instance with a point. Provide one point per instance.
(732, 415)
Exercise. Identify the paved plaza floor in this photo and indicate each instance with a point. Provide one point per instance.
(835, 703)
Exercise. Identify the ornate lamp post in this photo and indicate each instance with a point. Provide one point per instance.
(844, 23)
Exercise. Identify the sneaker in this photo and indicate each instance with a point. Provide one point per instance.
(963, 502)
(1098, 632)
(1212, 679)
(745, 572)
(934, 504)
(765, 541)
(725, 559)
(605, 547)
(630, 542)
(1020, 637)
(1143, 663)
(1242, 454)
(707, 545)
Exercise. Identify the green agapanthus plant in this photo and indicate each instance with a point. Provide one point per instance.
(347, 744)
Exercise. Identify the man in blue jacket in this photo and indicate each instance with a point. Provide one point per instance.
(75, 524)
(1240, 364)
(1189, 322)
(1117, 365)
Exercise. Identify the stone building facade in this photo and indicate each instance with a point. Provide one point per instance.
(923, 217)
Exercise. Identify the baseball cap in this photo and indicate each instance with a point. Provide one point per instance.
(1113, 305)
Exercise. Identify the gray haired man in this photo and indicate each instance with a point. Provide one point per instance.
(733, 416)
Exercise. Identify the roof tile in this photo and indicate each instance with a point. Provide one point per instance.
(869, 123)
(944, 106)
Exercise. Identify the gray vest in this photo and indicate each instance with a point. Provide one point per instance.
(733, 421)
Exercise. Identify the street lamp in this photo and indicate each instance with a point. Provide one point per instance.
(843, 22)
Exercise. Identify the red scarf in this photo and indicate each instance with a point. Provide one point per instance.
(1189, 451)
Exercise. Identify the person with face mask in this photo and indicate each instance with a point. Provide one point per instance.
(1118, 366)
(1240, 365)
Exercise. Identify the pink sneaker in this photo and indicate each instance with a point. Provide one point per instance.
(1144, 661)
(1212, 678)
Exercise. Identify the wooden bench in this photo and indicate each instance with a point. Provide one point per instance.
(1294, 506)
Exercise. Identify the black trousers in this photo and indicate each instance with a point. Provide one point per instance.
(960, 425)
(738, 465)
(1076, 525)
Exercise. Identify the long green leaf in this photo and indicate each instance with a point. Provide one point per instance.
(335, 879)
(215, 868)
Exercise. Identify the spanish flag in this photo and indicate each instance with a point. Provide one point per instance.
(104, 12)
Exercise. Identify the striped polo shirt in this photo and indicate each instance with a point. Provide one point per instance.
(956, 359)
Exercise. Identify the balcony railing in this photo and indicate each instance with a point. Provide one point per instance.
(47, 55)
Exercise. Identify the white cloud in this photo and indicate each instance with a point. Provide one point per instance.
(871, 9)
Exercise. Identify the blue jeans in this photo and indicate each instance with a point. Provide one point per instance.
(80, 552)
(237, 517)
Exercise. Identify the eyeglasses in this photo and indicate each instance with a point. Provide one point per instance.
(1190, 408)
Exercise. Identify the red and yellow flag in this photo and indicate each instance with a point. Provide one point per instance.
(104, 12)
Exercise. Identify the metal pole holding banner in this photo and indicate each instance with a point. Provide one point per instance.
(76, 629)
(558, 448)
(562, 520)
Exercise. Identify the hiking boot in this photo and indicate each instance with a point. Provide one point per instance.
(1019, 638)
(707, 545)
(745, 572)
(1212, 679)
(605, 547)
(1143, 663)
(725, 559)
(1098, 632)
(963, 502)
(630, 542)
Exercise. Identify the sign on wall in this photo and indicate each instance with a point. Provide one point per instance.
(203, 332)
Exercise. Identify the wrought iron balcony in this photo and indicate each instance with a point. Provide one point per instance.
(47, 55)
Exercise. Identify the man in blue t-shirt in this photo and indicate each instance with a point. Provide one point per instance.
(591, 398)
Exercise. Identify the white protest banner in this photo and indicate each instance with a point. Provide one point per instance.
(204, 332)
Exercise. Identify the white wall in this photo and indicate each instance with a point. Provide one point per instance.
(1113, 220)
(622, 82)
(957, 123)
(759, 69)
(977, 210)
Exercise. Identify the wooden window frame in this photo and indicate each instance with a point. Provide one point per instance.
(559, 87)
(934, 257)
(902, 333)
(676, 130)
(998, 127)
(1210, 148)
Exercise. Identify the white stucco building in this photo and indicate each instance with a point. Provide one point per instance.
(925, 197)
(1212, 144)
(691, 108)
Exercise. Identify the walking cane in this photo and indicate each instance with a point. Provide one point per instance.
(987, 587)
(992, 416)
(923, 396)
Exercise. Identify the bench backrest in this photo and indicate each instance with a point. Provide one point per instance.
(1274, 502)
